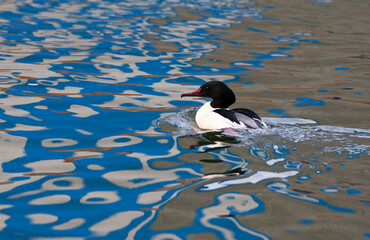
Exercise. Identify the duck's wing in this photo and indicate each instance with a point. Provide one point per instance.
(249, 118)
(242, 116)
(227, 113)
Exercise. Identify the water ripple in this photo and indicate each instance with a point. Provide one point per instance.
(95, 141)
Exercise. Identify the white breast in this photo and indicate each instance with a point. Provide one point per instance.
(206, 118)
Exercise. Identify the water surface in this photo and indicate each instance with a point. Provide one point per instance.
(96, 143)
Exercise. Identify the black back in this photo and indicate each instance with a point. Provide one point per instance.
(247, 112)
(227, 114)
(242, 115)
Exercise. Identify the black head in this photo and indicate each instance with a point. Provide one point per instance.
(221, 94)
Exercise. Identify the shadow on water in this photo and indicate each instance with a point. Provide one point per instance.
(95, 142)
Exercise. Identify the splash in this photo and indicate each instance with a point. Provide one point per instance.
(295, 130)
(183, 121)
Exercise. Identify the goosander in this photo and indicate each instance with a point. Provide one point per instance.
(216, 115)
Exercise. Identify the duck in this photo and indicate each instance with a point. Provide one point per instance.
(216, 115)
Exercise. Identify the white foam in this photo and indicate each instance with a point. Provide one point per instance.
(280, 129)
(287, 121)
(183, 120)
(343, 129)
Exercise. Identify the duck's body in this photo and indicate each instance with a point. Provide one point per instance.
(211, 118)
(216, 115)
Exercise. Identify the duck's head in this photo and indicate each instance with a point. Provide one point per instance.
(221, 94)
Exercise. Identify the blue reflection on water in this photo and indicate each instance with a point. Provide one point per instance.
(305, 102)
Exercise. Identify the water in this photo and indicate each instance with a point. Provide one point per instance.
(96, 143)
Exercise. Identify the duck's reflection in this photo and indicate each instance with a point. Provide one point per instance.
(208, 141)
